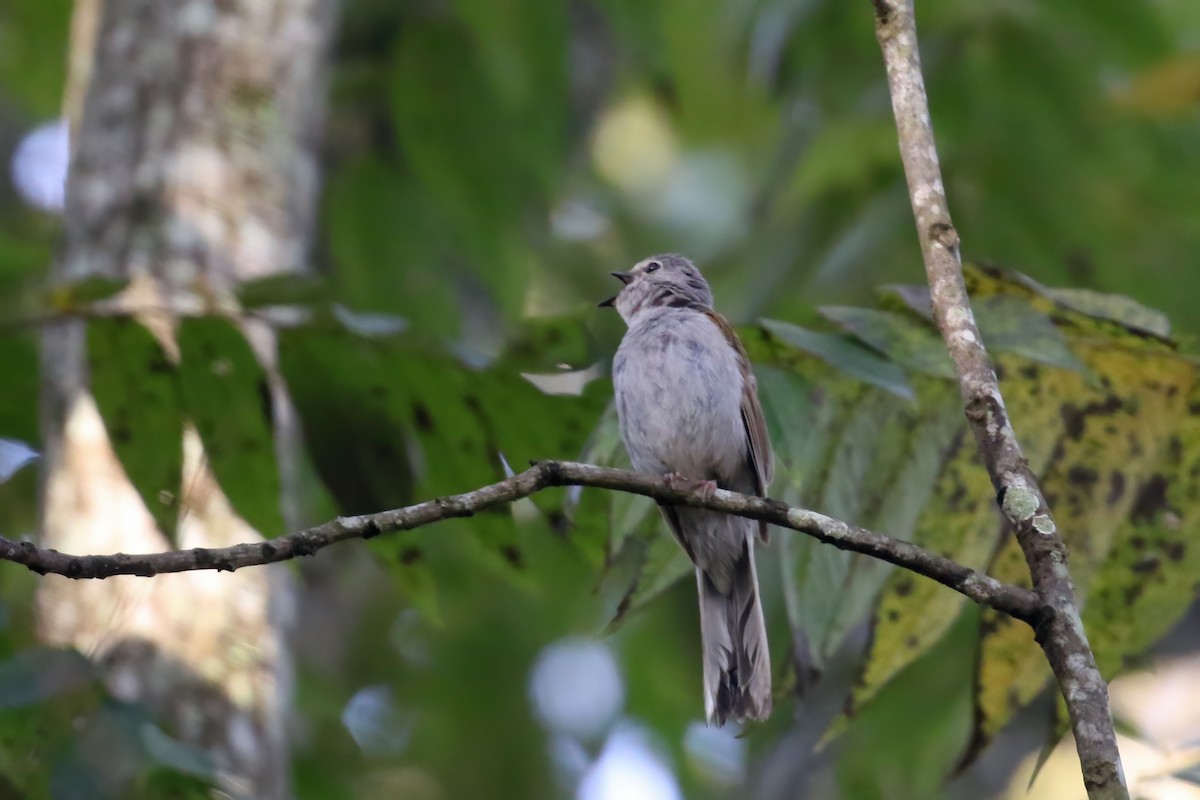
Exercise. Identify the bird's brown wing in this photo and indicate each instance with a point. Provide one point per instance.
(758, 444)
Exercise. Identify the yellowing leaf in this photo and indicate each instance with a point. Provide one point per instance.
(1170, 87)
(961, 521)
(1153, 570)
(1111, 438)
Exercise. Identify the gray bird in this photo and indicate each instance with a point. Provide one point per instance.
(688, 407)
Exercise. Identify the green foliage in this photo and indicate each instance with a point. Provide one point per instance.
(402, 420)
(62, 736)
(217, 385)
(459, 137)
(135, 386)
(1100, 408)
(32, 66)
(32, 676)
(839, 352)
(219, 379)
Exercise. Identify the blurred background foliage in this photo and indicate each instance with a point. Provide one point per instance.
(487, 163)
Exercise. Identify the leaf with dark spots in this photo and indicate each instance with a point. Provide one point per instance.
(140, 402)
(421, 418)
(1145, 565)
(266, 405)
(1116, 488)
(1031, 372)
(1095, 417)
(959, 520)
(225, 393)
(399, 420)
(512, 555)
(1075, 418)
(1151, 499)
(1082, 474)
(1137, 423)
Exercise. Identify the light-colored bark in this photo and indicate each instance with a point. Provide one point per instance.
(193, 168)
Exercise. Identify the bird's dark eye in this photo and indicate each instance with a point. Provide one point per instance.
(652, 266)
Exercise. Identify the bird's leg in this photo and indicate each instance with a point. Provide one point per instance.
(704, 488)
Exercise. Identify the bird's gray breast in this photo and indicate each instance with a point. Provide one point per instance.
(678, 387)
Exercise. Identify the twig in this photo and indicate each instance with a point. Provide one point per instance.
(1012, 600)
(1061, 633)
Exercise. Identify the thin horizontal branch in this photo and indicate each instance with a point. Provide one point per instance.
(1061, 635)
(1012, 600)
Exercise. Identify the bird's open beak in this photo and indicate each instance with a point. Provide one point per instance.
(623, 277)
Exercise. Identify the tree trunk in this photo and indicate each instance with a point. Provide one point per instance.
(194, 167)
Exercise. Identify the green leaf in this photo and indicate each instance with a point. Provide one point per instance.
(1012, 325)
(470, 150)
(548, 344)
(401, 420)
(227, 398)
(913, 297)
(34, 676)
(382, 235)
(632, 556)
(522, 47)
(850, 464)
(178, 756)
(898, 336)
(1006, 312)
(29, 67)
(76, 295)
(910, 483)
(134, 384)
(623, 513)
(281, 289)
(845, 355)
(19, 375)
(1114, 307)
(799, 415)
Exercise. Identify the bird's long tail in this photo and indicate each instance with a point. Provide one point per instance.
(733, 634)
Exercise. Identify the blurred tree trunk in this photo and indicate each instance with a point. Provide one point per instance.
(194, 167)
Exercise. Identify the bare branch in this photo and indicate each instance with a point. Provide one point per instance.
(1012, 600)
(1061, 634)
